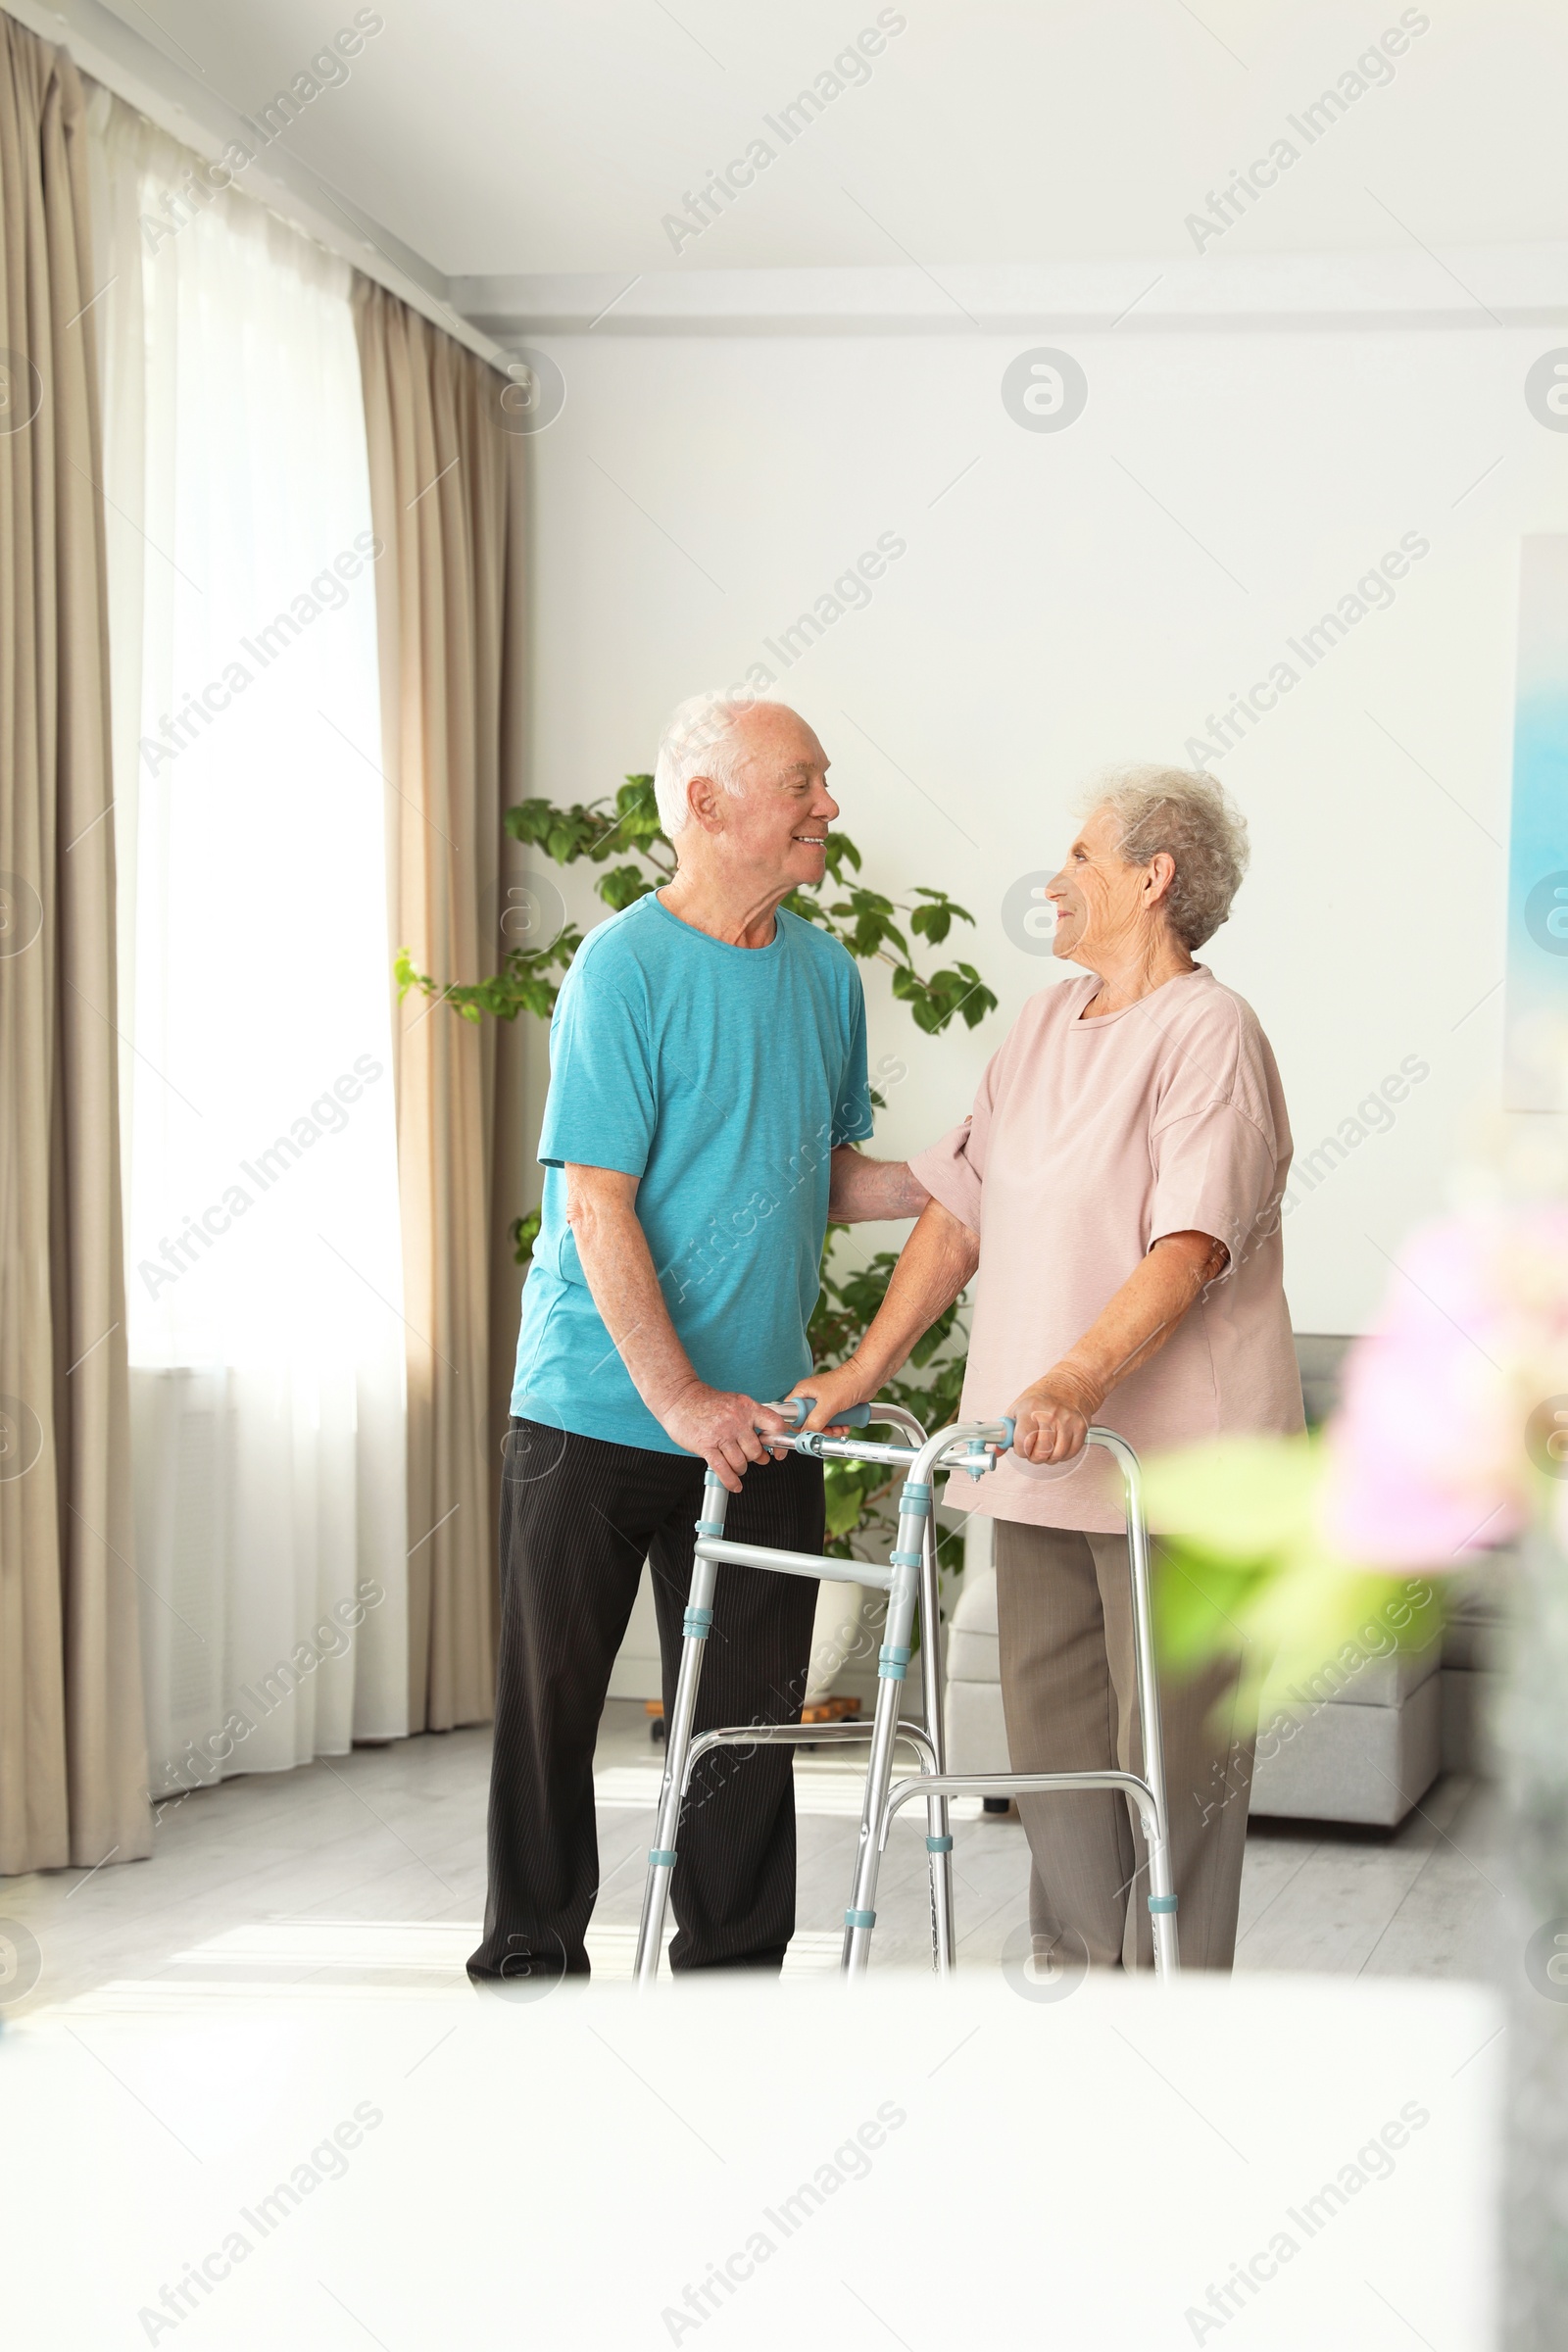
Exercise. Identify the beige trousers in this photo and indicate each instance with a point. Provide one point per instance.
(1070, 1697)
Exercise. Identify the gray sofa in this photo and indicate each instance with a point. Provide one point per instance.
(1366, 1752)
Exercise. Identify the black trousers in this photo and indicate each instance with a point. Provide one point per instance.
(578, 1517)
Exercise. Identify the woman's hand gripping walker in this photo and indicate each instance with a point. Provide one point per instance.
(910, 1582)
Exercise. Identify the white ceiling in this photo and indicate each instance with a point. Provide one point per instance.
(494, 138)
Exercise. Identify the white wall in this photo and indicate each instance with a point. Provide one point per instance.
(1050, 615)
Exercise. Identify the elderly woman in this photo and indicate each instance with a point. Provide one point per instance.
(1118, 1186)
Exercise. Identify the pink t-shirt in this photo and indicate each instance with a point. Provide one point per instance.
(1089, 1140)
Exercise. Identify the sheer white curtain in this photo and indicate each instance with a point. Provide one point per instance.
(262, 1257)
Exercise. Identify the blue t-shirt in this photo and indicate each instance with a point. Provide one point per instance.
(722, 1078)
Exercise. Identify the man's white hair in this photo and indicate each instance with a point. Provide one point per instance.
(701, 738)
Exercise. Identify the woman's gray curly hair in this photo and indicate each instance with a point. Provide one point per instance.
(1185, 814)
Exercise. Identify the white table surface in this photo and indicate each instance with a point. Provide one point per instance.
(1074, 2174)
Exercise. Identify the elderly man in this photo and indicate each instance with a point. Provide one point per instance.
(707, 1087)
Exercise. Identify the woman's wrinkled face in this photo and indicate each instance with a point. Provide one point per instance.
(1100, 901)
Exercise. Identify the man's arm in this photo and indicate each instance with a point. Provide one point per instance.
(860, 1188)
(938, 1259)
(1054, 1413)
(602, 1212)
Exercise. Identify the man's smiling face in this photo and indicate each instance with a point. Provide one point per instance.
(777, 826)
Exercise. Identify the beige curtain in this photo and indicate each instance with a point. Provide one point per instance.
(73, 1761)
(446, 491)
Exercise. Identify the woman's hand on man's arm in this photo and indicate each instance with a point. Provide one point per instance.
(861, 1189)
(938, 1259)
(1054, 1414)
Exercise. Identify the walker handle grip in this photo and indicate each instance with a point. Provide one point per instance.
(853, 1416)
(1012, 1428)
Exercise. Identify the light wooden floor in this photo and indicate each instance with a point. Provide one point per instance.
(367, 1872)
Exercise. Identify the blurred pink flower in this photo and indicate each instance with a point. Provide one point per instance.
(1425, 1461)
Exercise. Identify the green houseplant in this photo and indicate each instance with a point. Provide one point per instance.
(873, 928)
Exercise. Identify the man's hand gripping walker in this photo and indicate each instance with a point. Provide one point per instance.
(909, 1581)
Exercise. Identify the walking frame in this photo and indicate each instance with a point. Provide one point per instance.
(910, 1582)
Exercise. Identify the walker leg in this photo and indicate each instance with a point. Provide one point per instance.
(938, 1840)
(861, 1917)
(915, 1510)
(1162, 1897)
(679, 1738)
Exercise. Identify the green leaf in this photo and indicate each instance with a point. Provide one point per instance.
(848, 1488)
(636, 825)
(1249, 1574)
(624, 885)
(1198, 1604)
(869, 916)
(951, 905)
(934, 1001)
(1240, 1498)
(531, 821)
